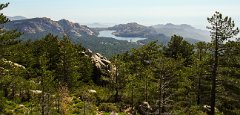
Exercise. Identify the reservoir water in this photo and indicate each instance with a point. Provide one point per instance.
(108, 33)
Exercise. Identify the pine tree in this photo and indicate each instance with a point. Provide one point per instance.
(7, 38)
(68, 66)
(229, 77)
(178, 48)
(200, 55)
(221, 29)
(165, 72)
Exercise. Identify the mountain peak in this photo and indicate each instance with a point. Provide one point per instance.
(45, 18)
(64, 20)
(169, 24)
(187, 26)
(133, 23)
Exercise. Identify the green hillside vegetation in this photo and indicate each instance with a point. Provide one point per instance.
(52, 76)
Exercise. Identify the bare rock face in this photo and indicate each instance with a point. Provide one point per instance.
(103, 68)
(100, 61)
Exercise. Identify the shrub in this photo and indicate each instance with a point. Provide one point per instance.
(108, 107)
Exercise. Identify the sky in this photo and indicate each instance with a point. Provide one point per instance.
(146, 12)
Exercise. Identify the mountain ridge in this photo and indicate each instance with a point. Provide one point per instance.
(36, 28)
(12, 18)
(184, 30)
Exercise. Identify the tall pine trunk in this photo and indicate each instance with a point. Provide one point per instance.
(116, 85)
(199, 79)
(214, 74)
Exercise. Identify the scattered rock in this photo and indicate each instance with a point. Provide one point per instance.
(145, 108)
(207, 108)
(15, 65)
(92, 91)
(113, 113)
(21, 105)
(36, 91)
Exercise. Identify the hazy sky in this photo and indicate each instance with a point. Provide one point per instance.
(147, 12)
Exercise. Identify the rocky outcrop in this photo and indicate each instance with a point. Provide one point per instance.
(102, 67)
(101, 62)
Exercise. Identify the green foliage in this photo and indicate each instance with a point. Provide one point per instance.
(221, 29)
(3, 18)
(194, 110)
(107, 46)
(7, 38)
(179, 48)
(108, 107)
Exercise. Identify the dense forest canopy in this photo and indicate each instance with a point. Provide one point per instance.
(55, 76)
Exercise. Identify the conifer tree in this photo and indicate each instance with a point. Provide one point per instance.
(221, 29)
(6, 37)
(178, 48)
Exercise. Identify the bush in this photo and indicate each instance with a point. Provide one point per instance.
(2, 104)
(195, 110)
(78, 107)
(108, 107)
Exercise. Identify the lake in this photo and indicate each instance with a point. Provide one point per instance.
(108, 33)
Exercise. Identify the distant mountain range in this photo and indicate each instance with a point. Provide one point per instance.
(136, 30)
(183, 30)
(37, 28)
(12, 18)
(100, 25)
